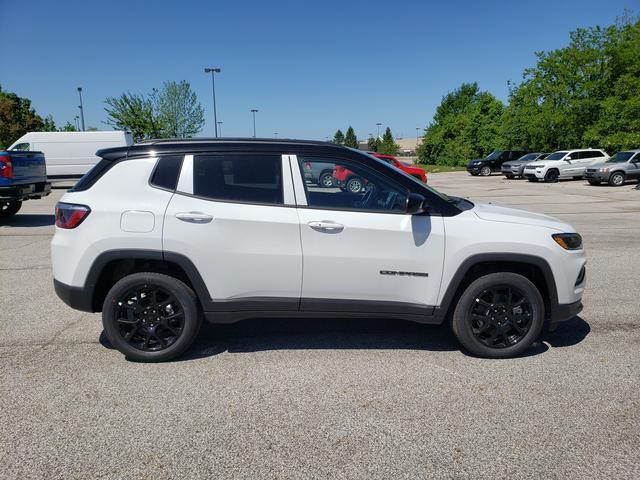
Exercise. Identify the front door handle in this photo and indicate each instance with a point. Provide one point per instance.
(194, 217)
(326, 226)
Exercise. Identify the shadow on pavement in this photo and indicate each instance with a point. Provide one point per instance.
(29, 220)
(352, 334)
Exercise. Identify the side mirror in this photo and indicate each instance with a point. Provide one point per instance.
(415, 204)
(567, 158)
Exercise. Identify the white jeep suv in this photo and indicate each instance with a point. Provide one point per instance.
(563, 164)
(164, 233)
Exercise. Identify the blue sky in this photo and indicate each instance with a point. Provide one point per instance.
(309, 67)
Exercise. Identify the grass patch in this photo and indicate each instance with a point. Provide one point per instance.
(439, 168)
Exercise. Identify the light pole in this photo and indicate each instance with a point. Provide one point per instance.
(378, 124)
(253, 111)
(417, 135)
(81, 109)
(220, 128)
(213, 72)
(76, 120)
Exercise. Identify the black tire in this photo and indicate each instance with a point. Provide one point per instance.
(594, 182)
(8, 209)
(355, 185)
(183, 313)
(326, 179)
(552, 176)
(474, 334)
(616, 179)
(485, 171)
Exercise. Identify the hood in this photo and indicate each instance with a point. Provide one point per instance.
(497, 213)
(600, 164)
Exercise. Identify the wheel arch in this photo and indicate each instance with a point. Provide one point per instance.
(532, 267)
(111, 266)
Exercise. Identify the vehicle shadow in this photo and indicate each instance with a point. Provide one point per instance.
(347, 334)
(29, 220)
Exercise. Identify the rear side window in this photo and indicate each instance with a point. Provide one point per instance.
(21, 147)
(167, 171)
(93, 175)
(246, 178)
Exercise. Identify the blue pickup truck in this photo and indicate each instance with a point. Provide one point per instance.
(23, 176)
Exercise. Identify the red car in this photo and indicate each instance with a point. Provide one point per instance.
(413, 171)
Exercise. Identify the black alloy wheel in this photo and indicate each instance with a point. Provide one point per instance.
(149, 318)
(551, 176)
(500, 316)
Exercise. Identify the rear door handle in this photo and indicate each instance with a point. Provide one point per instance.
(194, 217)
(326, 226)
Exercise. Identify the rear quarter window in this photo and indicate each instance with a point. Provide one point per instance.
(167, 171)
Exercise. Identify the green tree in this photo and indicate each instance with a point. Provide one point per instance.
(68, 127)
(350, 139)
(338, 138)
(17, 117)
(388, 145)
(179, 110)
(373, 144)
(135, 113)
(466, 125)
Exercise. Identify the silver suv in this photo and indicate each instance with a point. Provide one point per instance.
(615, 171)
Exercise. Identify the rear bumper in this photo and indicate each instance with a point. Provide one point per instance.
(78, 298)
(17, 193)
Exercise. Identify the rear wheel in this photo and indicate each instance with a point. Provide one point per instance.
(150, 317)
(326, 179)
(499, 315)
(8, 209)
(355, 185)
(616, 179)
(485, 171)
(552, 176)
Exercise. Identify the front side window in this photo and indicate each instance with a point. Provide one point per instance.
(21, 147)
(353, 186)
(244, 178)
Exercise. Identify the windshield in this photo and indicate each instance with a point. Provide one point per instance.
(494, 155)
(556, 156)
(528, 156)
(620, 157)
(413, 179)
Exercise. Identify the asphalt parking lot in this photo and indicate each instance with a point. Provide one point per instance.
(329, 399)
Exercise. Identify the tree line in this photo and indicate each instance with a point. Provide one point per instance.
(586, 94)
(386, 145)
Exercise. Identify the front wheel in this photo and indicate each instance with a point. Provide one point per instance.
(151, 317)
(8, 209)
(616, 179)
(485, 171)
(551, 176)
(355, 185)
(499, 315)
(326, 180)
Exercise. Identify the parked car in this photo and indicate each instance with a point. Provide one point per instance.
(416, 172)
(563, 164)
(615, 171)
(319, 173)
(23, 176)
(69, 155)
(348, 180)
(165, 232)
(516, 168)
(493, 162)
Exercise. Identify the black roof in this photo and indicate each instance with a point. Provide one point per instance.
(195, 145)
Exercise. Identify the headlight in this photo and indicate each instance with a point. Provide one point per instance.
(568, 241)
(604, 169)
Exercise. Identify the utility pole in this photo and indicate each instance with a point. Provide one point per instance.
(81, 108)
(213, 72)
(253, 111)
(378, 124)
(220, 128)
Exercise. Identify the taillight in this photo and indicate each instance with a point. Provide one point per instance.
(6, 168)
(70, 215)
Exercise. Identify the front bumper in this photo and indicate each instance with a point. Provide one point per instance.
(18, 193)
(474, 168)
(563, 312)
(597, 176)
(534, 173)
(514, 171)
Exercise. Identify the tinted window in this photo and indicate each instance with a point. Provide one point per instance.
(22, 147)
(249, 178)
(621, 157)
(354, 187)
(167, 171)
(557, 155)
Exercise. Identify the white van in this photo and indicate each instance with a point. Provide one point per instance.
(70, 154)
